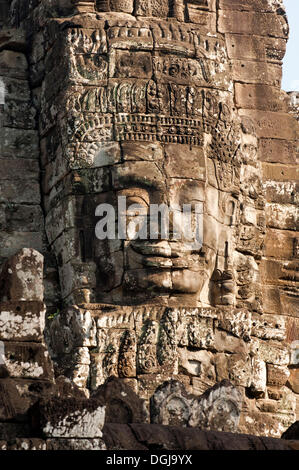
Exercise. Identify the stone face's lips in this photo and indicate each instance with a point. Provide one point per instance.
(163, 249)
(165, 255)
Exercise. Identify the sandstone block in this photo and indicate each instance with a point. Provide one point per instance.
(197, 363)
(11, 241)
(249, 71)
(284, 192)
(294, 353)
(18, 395)
(69, 418)
(279, 244)
(271, 353)
(201, 411)
(16, 89)
(268, 327)
(293, 380)
(270, 124)
(12, 39)
(13, 64)
(75, 444)
(23, 143)
(245, 22)
(29, 169)
(247, 5)
(18, 114)
(240, 369)
(263, 97)
(10, 191)
(20, 218)
(282, 216)
(258, 380)
(22, 321)
(279, 172)
(225, 342)
(122, 404)
(277, 375)
(277, 151)
(22, 277)
(27, 360)
(251, 47)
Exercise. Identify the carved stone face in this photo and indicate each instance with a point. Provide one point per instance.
(153, 174)
(147, 114)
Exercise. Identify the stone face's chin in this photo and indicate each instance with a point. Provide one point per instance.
(187, 281)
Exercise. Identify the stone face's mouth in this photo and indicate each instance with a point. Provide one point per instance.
(166, 255)
(171, 250)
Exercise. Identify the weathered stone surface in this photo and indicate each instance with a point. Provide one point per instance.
(13, 64)
(261, 97)
(22, 277)
(273, 125)
(26, 360)
(248, 71)
(293, 380)
(27, 444)
(22, 321)
(249, 5)
(17, 396)
(242, 46)
(12, 39)
(123, 406)
(18, 142)
(273, 353)
(279, 172)
(277, 375)
(244, 22)
(280, 244)
(282, 216)
(66, 418)
(20, 218)
(75, 444)
(277, 151)
(218, 408)
(11, 242)
(145, 436)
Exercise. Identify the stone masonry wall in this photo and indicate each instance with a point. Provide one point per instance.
(21, 212)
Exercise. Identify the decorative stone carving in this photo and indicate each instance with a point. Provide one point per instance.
(219, 408)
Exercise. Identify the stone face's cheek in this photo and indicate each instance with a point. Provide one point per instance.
(187, 281)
